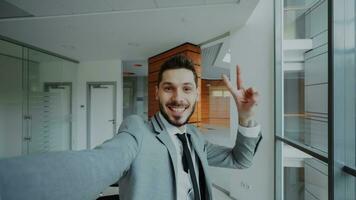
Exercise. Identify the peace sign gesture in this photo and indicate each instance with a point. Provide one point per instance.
(245, 99)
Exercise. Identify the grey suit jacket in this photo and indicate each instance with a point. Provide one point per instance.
(141, 156)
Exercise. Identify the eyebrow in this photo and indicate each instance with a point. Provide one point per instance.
(170, 83)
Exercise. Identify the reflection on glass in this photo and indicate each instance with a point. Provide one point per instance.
(305, 70)
(49, 103)
(305, 177)
(135, 99)
(11, 95)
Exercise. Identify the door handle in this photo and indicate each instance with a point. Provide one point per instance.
(27, 138)
(28, 119)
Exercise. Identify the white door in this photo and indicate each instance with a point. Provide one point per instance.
(102, 114)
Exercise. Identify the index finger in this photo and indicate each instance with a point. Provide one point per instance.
(238, 78)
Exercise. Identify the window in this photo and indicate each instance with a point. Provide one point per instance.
(315, 105)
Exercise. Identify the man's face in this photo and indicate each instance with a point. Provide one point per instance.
(177, 94)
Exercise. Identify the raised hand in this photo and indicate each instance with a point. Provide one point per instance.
(245, 99)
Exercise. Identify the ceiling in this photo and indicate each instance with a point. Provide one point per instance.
(136, 67)
(130, 30)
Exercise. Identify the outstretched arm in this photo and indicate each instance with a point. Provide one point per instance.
(68, 175)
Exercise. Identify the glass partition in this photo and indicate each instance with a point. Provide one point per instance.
(315, 102)
(305, 68)
(11, 98)
(49, 103)
(36, 100)
(305, 177)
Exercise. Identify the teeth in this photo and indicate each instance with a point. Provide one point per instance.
(178, 109)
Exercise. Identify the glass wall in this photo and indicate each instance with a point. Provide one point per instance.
(135, 100)
(11, 99)
(344, 100)
(315, 99)
(36, 100)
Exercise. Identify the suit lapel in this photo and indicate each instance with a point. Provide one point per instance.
(163, 136)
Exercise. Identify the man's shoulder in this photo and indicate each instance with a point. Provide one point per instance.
(133, 123)
(193, 129)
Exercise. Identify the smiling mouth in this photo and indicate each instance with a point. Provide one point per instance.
(177, 109)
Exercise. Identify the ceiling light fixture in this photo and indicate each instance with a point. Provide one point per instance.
(227, 58)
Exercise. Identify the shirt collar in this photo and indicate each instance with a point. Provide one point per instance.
(171, 129)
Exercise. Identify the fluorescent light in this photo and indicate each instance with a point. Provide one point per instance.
(227, 58)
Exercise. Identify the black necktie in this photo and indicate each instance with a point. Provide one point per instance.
(188, 164)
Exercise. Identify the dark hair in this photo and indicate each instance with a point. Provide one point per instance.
(178, 62)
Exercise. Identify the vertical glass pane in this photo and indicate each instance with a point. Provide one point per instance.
(49, 103)
(11, 97)
(344, 84)
(135, 99)
(305, 68)
(305, 177)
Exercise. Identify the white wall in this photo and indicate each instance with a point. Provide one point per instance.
(96, 71)
(252, 47)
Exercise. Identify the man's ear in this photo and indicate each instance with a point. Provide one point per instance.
(156, 94)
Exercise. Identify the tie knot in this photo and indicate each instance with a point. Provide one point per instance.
(182, 137)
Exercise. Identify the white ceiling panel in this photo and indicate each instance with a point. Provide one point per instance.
(62, 7)
(175, 3)
(127, 35)
(221, 1)
(133, 4)
(70, 7)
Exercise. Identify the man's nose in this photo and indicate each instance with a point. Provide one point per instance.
(178, 95)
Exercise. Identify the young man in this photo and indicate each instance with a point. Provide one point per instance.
(163, 159)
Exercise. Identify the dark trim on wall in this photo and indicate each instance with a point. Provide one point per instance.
(7, 39)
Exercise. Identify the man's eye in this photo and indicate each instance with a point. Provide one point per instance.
(187, 89)
(168, 89)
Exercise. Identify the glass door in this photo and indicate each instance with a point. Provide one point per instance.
(11, 98)
(49, 104)
(37, 93)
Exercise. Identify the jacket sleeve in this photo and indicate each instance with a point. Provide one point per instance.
(240, 156)
(70, 174)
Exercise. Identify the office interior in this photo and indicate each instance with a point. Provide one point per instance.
(71, 71)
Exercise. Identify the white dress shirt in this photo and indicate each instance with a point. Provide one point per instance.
(184, 184)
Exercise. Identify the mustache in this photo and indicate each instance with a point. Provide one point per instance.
(177, 104)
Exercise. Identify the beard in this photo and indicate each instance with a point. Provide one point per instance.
(175, 123)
